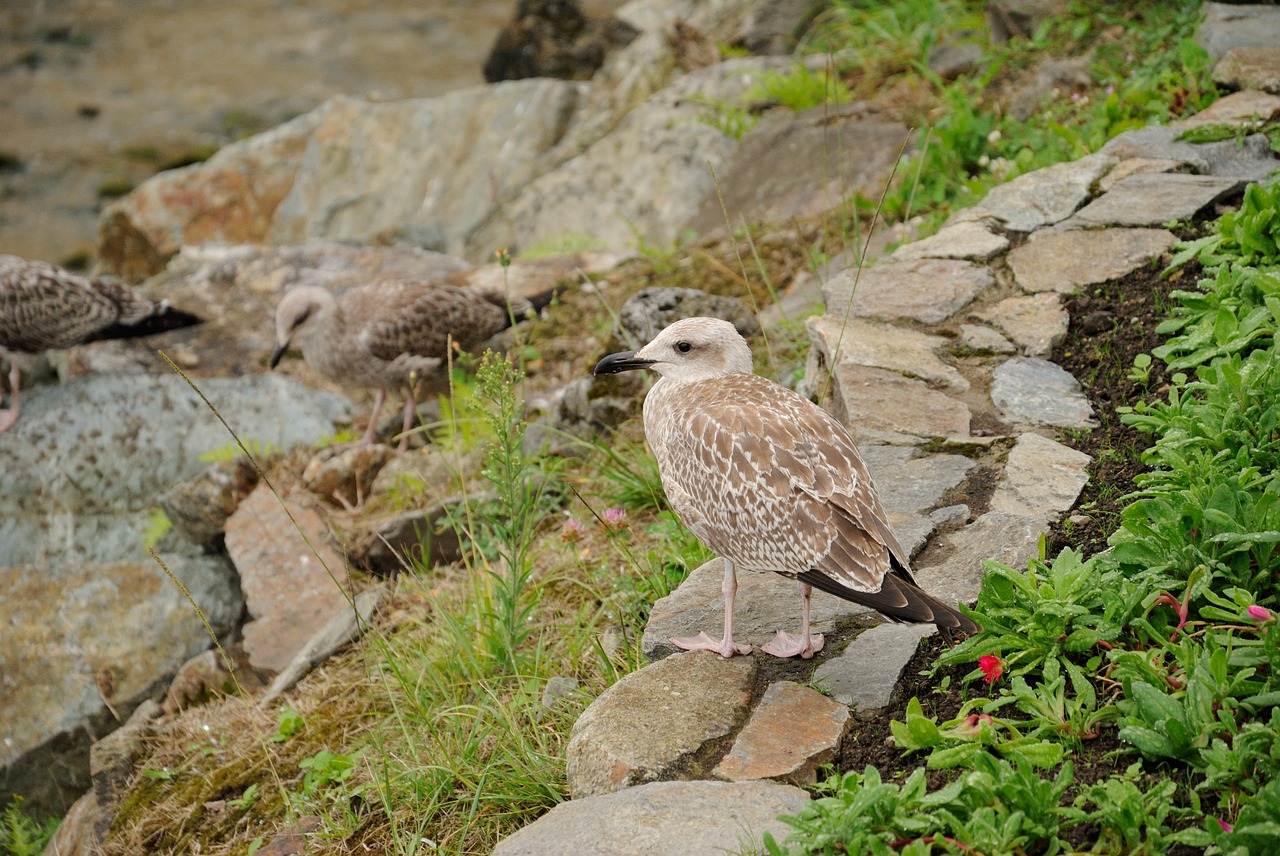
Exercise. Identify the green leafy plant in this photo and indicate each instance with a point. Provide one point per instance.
(21, 835)
(957, 742)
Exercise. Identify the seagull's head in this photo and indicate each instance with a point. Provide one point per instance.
(297, 307)
(689, 350)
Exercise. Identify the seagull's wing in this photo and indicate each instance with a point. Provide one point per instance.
(421, 319)
(43, 307)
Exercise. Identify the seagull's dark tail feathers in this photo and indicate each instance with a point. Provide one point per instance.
(164, 319)
(525, 308)
(899, 601)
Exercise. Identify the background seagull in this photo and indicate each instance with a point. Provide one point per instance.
(771, 482)
(45, 307)
(393, 333)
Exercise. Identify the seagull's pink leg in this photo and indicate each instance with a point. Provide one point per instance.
(10, 415)
(786, 645)
(725, 647)
(371, 433)
(408, 423)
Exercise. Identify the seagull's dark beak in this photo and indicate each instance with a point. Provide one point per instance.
(622, 362)
(278, 353)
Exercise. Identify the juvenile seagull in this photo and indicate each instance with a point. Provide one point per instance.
(771, 482)
(392, 333)
(44, 307)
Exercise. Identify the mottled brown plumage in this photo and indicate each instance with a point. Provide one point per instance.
(44, 307)
(392, 333)
(771, 482)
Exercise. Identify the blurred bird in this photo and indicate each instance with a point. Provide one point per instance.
(45, 307)
(393, 333)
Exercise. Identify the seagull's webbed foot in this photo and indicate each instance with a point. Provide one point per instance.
(788, 645)
(702, 642)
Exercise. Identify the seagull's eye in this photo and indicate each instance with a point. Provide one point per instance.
(684, 347)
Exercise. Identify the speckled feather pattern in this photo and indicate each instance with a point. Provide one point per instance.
(377, 334)
(45, 307)
(768, 480)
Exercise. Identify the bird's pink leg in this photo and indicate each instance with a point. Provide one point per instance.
(408, 424)
(786, 645)
(725, 647)
(10, 415)
(371, 433)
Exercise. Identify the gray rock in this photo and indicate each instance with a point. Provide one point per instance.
(984, 340)
(972, 241)
(868, 343)
(666, 721)
(1152, 199)
(199, 507)
(662, 819)
(1250, 159)
(792, 733)
(1228, 25)
(1041, 478)
(557, 688)
(1238, 108)
(1065, 261)
(951, 59)
(342, 628)
(410, 540)
(1040, 198)
(293, 578)
(1052, 77)
(1036, 324)
(645, 178)
(910, 481)
(880, 400)
(765, 604)
(775, 27)
(867, 672)
(1008, 18)
(425, 172)
(799, 165)
(346, 475)
(953, 566)
(1028, 390)
(1249, 68)
(648, 311)
(1137, 166)
(928, 290)
(82, 646)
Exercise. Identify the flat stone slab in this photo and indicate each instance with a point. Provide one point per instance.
(1036, 323)
(764, 604)
(1066, 261)
(292, 590)
(793, 732)
(1028, 390)
(1249, 68)
(868, 343)
(1231, 25)
(866, 673)
(881, 400)
(984, 340)
(1250, 159)
(1135, 166)
(911, 481)
(1235, 109)
(1150, 199)
(972, 241)
(926, 290)
(663, 722)
(1041, 478)
(1040, 198)
(953, 567)
(662, 819)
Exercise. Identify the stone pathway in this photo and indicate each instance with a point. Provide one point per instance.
(937, 358)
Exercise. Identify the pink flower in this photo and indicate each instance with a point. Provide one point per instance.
(1260, 613)
(614, 518)
(1226, 827)
(991, 666)
(573, 530)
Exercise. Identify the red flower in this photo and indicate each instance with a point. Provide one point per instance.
(991, 666)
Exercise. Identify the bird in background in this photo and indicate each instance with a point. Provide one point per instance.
(44, 307)
(393, 334)
(771, 482)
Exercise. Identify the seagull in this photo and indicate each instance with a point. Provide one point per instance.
(392, 333)
(45, 307)
(770, 482)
